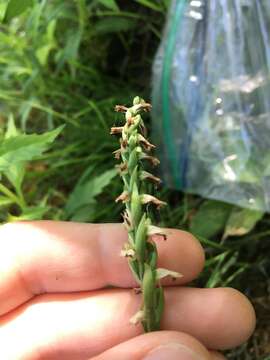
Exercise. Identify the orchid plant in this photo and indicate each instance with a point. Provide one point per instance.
(140, 250)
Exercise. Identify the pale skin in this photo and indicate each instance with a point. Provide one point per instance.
(55, 302)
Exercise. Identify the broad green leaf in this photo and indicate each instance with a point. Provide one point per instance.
(22, 148)
(85, 193)
(111, 25)
(210, 219)
(241, 221)
(110, 4)
(15, 8)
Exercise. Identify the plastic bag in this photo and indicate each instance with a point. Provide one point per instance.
(211, 100)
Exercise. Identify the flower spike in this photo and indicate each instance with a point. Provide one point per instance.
(140, 250)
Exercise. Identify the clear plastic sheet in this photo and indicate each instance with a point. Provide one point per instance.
(211, 100)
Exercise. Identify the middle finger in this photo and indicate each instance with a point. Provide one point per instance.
(77, 325)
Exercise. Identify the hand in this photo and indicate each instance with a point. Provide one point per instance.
(54, 303)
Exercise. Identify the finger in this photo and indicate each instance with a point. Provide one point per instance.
(46, 256)
(159, 345)
(87, 324)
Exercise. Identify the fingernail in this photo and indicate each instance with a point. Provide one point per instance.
(172, 351)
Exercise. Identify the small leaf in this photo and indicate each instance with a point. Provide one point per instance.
(241, 221)
(210, 219)
(15, 8)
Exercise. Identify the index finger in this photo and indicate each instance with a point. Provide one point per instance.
(49, 257)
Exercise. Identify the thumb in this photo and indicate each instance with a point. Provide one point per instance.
(160, 345)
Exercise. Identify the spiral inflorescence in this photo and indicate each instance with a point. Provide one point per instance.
(140, 250)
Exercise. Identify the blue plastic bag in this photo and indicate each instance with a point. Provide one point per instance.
(211, 100)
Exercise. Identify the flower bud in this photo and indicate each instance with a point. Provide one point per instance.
(116, 130)
(146, 199)
(120, 108)
(137, 100)
(137, 318)
(153, 160)
(117, 153)
(147, 145)
(124, 197)
(144, 175)
(122, 168)
(155, 230)
(162, 273)
(128, 251)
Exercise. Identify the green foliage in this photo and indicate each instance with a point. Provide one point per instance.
(241, 222)
(55, 69)
(85, 193)
(210, 219)
(110, 4)
(15, 8)
(16, 150)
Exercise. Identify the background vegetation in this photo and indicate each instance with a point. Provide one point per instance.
(63, 67)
